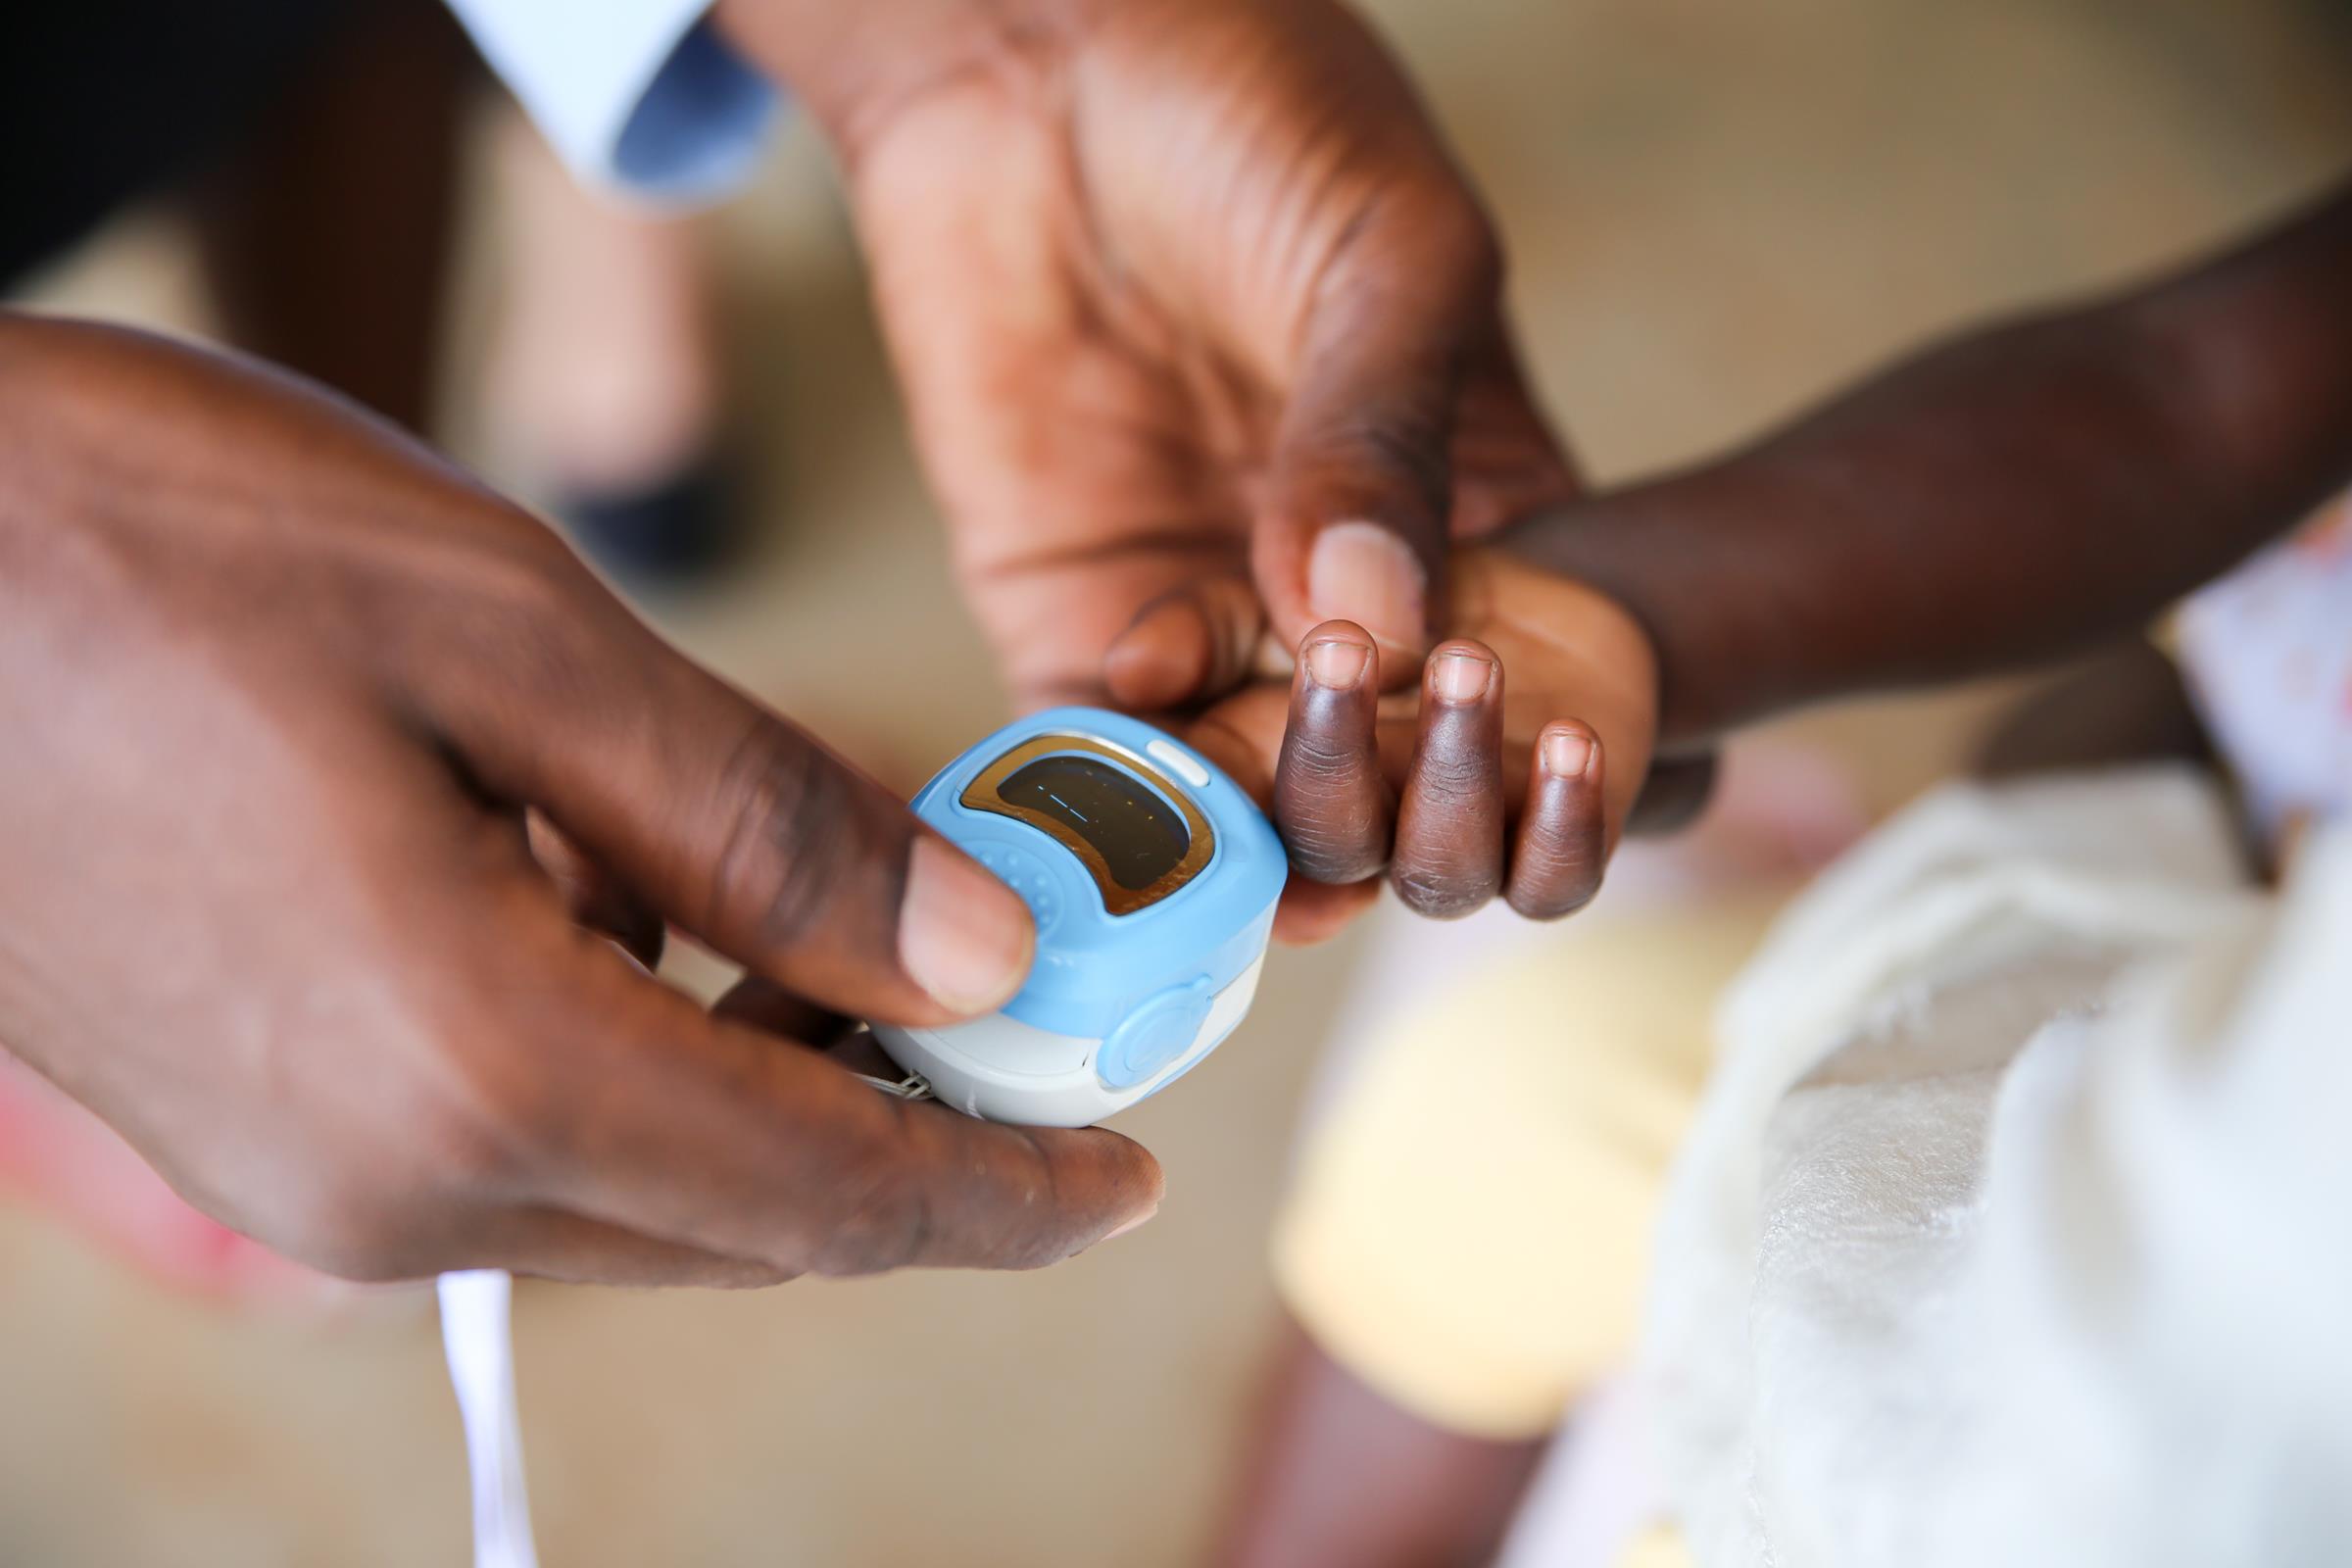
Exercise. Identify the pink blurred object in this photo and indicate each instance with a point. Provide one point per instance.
(63, 1159)
(1780, 811)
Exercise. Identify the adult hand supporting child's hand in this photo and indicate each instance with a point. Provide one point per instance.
(2000, 500)
(1177, 290)
(286, 706)
(1510, 769)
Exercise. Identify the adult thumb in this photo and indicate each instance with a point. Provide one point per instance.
(739, 827)
(1355, 526)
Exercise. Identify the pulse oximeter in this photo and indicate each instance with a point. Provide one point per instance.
(1153, 879)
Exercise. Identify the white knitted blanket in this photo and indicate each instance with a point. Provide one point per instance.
(2017, 1224)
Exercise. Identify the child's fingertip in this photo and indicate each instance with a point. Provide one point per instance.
(1335, 656)
(1462, 672)
(1568, 751)
(1337, 664)
(1461, 678)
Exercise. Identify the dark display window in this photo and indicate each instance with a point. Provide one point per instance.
(1140, 837)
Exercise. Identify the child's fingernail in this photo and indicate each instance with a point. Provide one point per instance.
(1566, 753)
(1336, 665)
(1461, 677)
(964, 935)
(1364, 574)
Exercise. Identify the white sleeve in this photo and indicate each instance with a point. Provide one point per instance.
(641, 95)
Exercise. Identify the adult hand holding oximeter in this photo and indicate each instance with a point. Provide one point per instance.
(1152, 880)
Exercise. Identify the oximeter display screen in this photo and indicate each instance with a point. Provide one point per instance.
(1139, 836)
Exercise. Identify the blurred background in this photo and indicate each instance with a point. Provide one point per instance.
(1714, 211)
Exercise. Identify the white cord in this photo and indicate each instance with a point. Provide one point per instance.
(476, 1333)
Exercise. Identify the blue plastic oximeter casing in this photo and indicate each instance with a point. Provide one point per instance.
(1153, 879)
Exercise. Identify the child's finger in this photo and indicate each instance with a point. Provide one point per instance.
(1449, 822)
(1331, 803)
(1556, 866)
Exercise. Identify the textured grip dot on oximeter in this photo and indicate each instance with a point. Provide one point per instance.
(1152, 881)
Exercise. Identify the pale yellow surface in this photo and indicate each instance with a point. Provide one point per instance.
(1716, 210)
(1656, 1549)
(1469, 1229)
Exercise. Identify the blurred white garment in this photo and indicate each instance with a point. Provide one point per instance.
(641, 97)
(2013, 1227)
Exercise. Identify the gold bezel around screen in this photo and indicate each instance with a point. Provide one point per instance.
(981, 796)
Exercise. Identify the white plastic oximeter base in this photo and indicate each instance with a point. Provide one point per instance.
(1003, 1069)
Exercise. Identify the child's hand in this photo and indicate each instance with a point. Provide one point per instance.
(1508, 769)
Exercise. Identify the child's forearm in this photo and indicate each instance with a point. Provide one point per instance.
(1995, 501)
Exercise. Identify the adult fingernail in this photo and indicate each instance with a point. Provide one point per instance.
(964, 935)
(1461, 677)
(1364, 574)
(1566, 753)
(1134, 1224)
(1336, 665)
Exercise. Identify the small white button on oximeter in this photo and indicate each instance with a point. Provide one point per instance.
(1152, 880)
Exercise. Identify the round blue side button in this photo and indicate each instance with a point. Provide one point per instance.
(1151, 1036)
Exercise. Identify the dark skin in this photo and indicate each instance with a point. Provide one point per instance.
(1340, 1475)
(1510, 770)
(2007, 500)
(1201, 336)
(2013, 498)
(1180, 292)
(1177, 286)
(316, 751)
(1469, 785)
